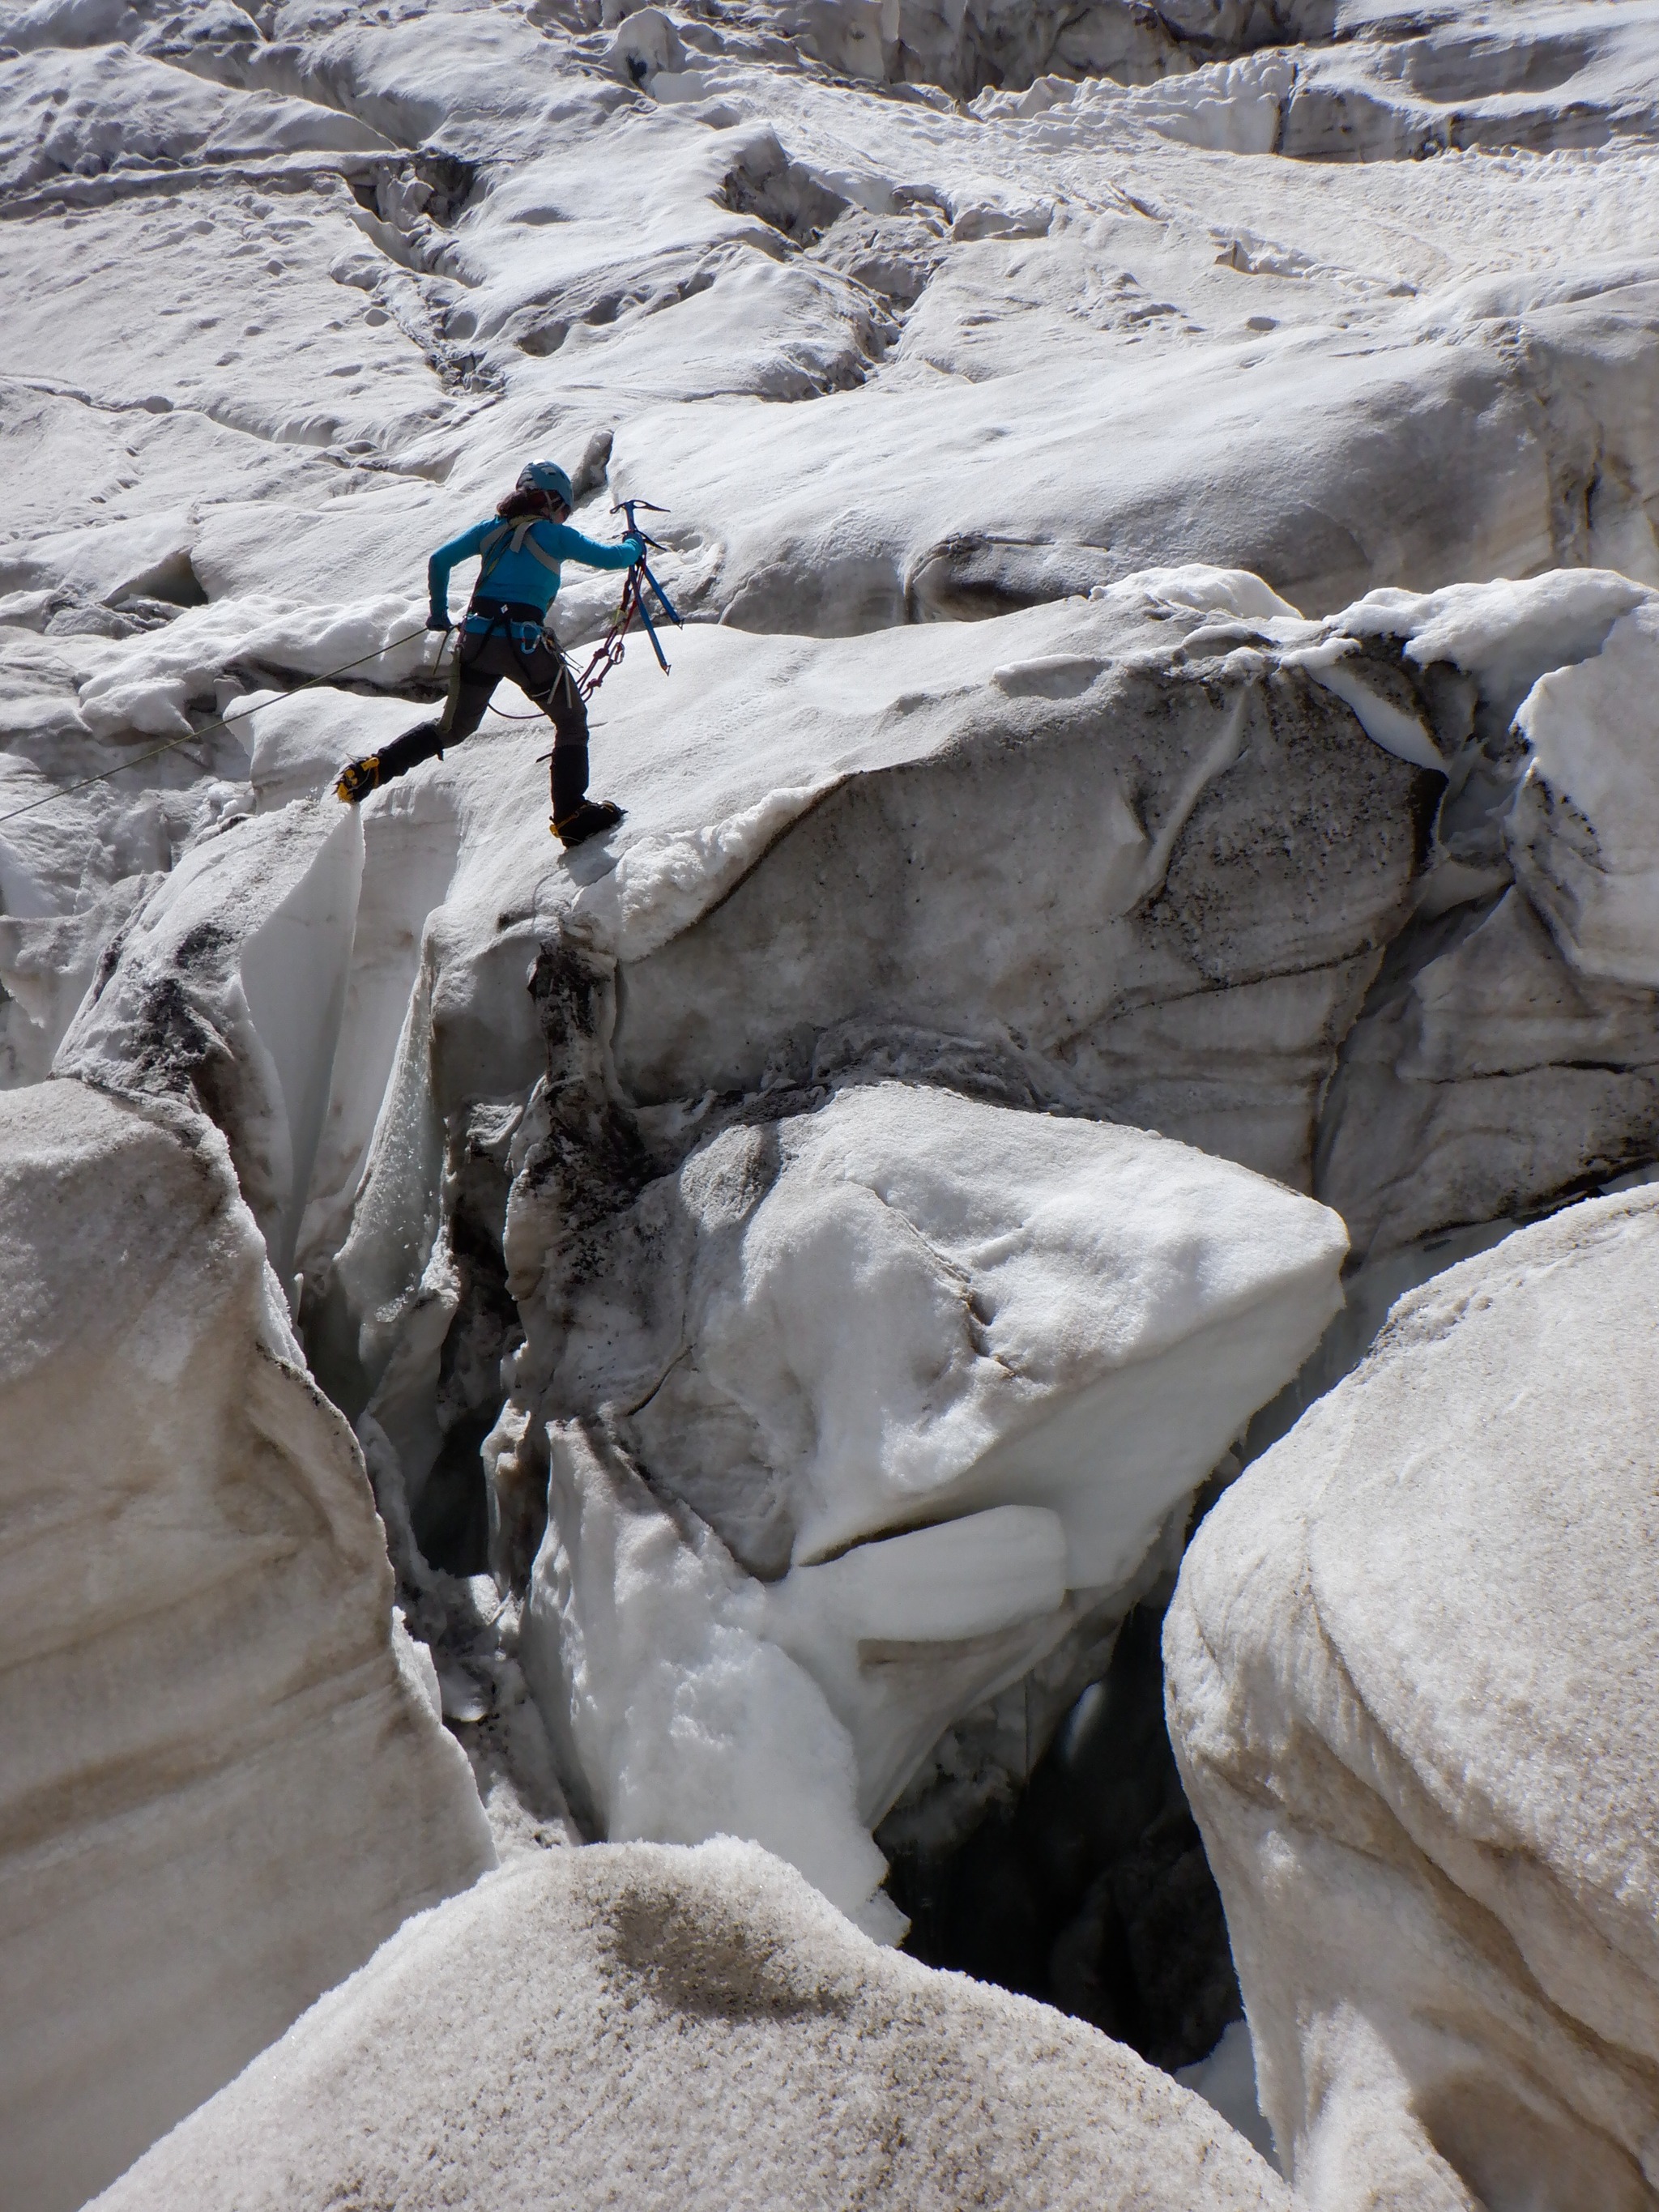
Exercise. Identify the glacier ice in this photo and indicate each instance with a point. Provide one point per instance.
(907, 1304)
(1166, 496)
(1409, 1665)
(228, 989)
(1023, 1343)
(208, 1719)
(1584, 830)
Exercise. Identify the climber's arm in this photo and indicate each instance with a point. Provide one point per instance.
(568, 544)
(463, 548)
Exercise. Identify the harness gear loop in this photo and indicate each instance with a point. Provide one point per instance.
(503, 624)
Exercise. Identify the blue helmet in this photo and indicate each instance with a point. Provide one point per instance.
(548, 477)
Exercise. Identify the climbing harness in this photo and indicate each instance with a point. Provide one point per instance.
(609, 653)
(632, 602)
(190, 737)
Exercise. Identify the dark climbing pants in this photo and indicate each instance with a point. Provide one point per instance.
(540, 669)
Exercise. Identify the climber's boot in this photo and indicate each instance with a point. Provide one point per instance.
(591, 820)
(357, 781)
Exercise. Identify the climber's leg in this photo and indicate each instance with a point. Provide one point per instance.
(471, 683)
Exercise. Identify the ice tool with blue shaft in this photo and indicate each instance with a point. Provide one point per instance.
(632, 602)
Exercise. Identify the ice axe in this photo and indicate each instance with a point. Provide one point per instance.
(626, 506)
(632, 602)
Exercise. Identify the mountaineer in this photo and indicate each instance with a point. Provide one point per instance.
(505, 633)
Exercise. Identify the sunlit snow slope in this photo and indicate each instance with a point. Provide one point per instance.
(1153, 805)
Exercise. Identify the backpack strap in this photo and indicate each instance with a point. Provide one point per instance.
(491, 548)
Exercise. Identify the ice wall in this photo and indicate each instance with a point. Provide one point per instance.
(223, 1783)
(227, 989)
(729, 1280)
(776, 1341)
(1409, 1669)
(1025, 1341)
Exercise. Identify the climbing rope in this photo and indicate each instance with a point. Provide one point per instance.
(190, 737)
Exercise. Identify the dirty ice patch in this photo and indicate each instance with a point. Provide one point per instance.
(662, 885)
(1384, 722)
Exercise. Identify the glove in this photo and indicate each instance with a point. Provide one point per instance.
(435, 621)
(635, 548)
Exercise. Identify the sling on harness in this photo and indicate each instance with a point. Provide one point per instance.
(524, 630)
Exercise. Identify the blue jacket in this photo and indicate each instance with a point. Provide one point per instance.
(521, 576)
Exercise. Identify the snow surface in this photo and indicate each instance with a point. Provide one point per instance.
(1165, 499)
(1410, 1668)
(685, 2029)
